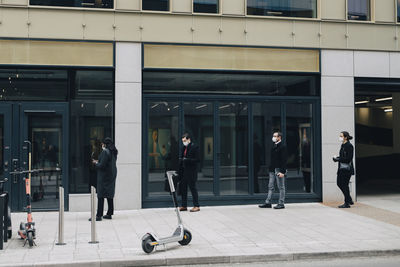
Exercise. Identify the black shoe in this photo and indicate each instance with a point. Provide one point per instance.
(266, 205)
(97, 219)
(344, 206)
(279, 206)
(108, 217)
(351, 202)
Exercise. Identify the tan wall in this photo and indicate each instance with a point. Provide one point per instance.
(127, 23)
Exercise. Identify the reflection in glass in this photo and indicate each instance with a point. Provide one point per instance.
(1, 147)
(298, 8)
(299, 142)
(358, 10)
(205, 6)
(75, 3)
(398, 10)
(155, 5)
(163, 143)
(46, 135)
(266, 120)
(233, 149)
(200, 124)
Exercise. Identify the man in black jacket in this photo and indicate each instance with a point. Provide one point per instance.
(188, 159)
(277, 171)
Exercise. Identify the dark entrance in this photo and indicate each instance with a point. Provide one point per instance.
(45, 125)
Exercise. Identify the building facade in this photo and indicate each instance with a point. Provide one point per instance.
(230, 72)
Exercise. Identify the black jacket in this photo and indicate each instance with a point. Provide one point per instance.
(278, 158)
(345, 156)
(188, 163)
(106, 174)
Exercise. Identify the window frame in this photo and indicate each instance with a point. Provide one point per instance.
(157, 11)
(371, 13)
(318, 12)
(73, 8)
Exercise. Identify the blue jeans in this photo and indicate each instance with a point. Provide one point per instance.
(271, 187)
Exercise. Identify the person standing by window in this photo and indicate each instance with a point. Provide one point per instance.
(106, 175)
(188, 159)
(277, 171)
(345, 167)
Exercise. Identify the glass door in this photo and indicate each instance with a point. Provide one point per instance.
(5, 135)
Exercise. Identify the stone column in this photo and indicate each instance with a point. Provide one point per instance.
(337, 114)
(128, 125)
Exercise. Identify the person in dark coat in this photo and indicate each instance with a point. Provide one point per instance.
(106, 175)
(189, 158)
(345, 167)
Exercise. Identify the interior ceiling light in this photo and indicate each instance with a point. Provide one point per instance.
(383, 99)
(389, 110)
(225, 106)
(361, 102)
(201, 106)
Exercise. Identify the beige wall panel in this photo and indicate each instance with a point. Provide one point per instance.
(233, 7)
(14, 22)
(166, 28)
(384, 11)
(371, 37)
(15, 2)
(269, 32)
(127, 4)
(99, 25)
(206, 30)
(233, 31)
(306, 33)
(182, 6)
(127, 27)
(333, 9)
(333, 35)
(55, 24)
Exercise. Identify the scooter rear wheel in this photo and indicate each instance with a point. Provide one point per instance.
(30, 239)
(187, 237)
(146, 244)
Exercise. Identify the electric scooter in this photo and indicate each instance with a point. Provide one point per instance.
(27, 231)
(7, 218)
(181, 235)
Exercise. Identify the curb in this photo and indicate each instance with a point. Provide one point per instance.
(234, 259)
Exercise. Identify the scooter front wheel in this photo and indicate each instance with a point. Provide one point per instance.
(187, 237)
(146, 244)
(30, 239)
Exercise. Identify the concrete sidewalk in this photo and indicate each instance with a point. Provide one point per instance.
(220, 235)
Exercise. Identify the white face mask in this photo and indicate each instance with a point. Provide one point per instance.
(274, 139)
(186, 143)
(341, 139)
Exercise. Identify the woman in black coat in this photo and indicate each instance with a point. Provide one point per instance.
(345, 167)
(106, 175)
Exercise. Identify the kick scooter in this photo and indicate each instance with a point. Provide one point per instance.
(181, 235)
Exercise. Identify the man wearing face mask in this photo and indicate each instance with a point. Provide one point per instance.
(188, 159)
(277, 171)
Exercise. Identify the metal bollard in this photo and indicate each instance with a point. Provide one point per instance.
(61, 217)
(93, 215)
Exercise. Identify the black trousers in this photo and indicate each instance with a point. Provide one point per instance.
(343, 179)
(100, 206)
(307, 181)
(184, 191)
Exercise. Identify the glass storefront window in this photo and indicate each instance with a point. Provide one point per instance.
(286, 8)
(233, 148)
(358, 10)
(199, 122)
(163, 144)
(155, 5)
(92, 109)
(33, 84)
(206, 6)
(398, 10)
(299, 140)
(74, 3)
(266, 121)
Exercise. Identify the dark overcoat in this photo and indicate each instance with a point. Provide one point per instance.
(188, 162)
(106, 174)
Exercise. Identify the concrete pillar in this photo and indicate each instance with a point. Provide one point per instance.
(128, 125)
(337, 114)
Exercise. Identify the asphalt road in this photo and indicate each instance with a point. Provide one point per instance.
(347, 262)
